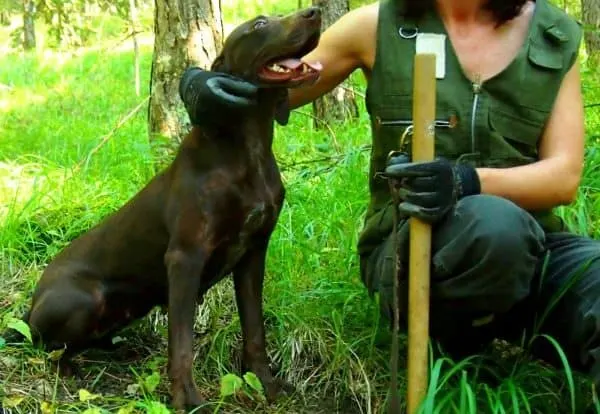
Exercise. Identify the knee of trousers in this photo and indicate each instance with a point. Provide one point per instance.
(485, 255)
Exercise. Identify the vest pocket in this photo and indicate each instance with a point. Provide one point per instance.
(516, 128)
(545, 56)
(391, 122)
(513, 135)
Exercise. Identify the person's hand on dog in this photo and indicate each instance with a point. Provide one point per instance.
(429, 190)
(207, 95)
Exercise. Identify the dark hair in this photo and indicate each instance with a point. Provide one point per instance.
(503, 10)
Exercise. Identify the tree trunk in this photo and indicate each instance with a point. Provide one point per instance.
(339, 104)
(590, 10)
(28, 24)
(4, 18)
(187, 33)
(133, 19)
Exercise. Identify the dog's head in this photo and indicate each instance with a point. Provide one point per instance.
(267, 50)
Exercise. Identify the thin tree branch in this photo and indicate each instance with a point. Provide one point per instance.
(352, 90)
(333, 136)
(111, 133)
(335, 158)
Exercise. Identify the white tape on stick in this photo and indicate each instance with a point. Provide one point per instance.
(434, 43)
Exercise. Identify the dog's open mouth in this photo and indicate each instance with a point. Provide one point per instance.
(290, 69)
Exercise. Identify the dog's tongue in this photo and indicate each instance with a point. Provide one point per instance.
(294, 64)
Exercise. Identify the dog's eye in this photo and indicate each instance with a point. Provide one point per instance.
(259, 24)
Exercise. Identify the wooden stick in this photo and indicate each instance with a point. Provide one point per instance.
(424, 101)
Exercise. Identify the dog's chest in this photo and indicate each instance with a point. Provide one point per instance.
(255, 221)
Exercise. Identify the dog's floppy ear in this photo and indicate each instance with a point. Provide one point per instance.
(218, 64)
(282, 109)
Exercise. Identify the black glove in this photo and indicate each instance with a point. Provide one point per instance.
(429, 190)
(210, 96)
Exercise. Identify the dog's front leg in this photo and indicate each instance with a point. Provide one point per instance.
(184, 268)
(248, 279)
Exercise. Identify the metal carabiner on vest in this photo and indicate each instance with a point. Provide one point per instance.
(408, 131)
(409, 35)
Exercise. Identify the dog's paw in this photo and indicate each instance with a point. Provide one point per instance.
(278, 388)
(67, 369)
(186, 399)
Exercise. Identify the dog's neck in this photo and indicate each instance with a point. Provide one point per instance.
(254, 126)
(249, 131)
(272, 104)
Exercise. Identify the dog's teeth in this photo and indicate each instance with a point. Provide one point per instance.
(276, 68)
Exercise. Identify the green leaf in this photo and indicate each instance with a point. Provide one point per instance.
(92, 410)
(85, 395)
(151, 382)
(2, 342)
(132, 389)
(13, 401)
(47, 408)
(230, 384)
(565, 362)
(323, 147)
(156, 407)
(127, 409)
(253, 381)
(21, 327)
(56, 354)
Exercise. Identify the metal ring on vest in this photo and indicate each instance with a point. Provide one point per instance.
(412, 35)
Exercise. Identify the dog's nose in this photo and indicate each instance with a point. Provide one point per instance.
(311, 13)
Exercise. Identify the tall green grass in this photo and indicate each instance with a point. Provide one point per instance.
(324, 331)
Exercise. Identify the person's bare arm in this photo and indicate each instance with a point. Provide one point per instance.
(554, 179)
(345, 46)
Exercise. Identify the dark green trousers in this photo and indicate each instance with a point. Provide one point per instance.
(489, 280)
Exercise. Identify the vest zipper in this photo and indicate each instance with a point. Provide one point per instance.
(407, 122)
(395, 122)
(476, 91)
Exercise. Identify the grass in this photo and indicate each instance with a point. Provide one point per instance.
(324, 332)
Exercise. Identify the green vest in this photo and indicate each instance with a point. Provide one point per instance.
(494, 124)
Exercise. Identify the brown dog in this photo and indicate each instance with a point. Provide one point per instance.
(209, 214)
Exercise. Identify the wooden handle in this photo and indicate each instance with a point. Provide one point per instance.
(423, 149)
